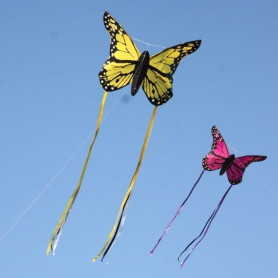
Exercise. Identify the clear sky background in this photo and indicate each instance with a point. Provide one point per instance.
(50, 56)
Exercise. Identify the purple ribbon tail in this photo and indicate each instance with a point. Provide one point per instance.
(206, 228)
(177, 213)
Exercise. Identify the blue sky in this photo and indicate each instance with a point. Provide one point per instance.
(51, 53)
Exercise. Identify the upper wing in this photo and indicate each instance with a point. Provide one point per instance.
(167, 61)
(236, 171)
(118, 70)
(212, 162)
(218, 154)
(159, 78)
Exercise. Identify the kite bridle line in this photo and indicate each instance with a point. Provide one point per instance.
(149, 44)
(119, 219)
(264, 185)
(59, 227)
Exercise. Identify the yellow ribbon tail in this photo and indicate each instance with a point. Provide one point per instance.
(59, 228)
(128, 193)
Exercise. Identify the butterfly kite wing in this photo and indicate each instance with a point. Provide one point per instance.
(157, 83)
(218, 154)
(236, 171)
(157, 87)
(117, 71)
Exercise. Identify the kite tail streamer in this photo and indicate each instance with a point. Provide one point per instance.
(205, 229)
(62, 221)
(197, 236)
(177, 213)
(118, 226)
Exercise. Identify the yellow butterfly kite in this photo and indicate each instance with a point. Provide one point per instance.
(127, 65)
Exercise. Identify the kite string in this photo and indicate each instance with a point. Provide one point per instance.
(129, 191)
(234, 149)
(35, 200)
(64, 166)
(177, 213)
(63, 218)
(264, 185)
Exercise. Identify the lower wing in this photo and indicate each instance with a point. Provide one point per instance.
(116, 74)
(236, 171)
(157, 87)
(159, 78)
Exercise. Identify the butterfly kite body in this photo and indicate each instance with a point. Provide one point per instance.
(127, 65)
(220, 158)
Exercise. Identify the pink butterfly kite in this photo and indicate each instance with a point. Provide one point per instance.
(218, 158)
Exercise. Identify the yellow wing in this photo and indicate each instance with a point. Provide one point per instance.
(117, 71)
(157, 84)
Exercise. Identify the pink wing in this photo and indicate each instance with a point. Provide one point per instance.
(219, 152)
(236, 171)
